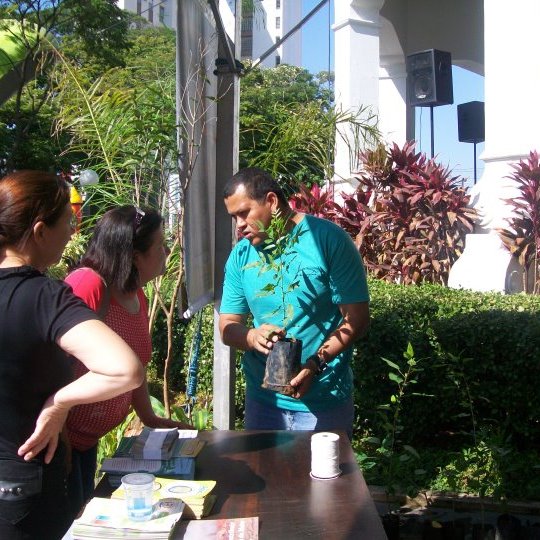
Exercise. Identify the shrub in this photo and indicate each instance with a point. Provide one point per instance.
(409, 216)
(522, 238)
(478, 351)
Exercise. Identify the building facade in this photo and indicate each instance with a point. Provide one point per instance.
(156, 12)
(265, 25)
(372, 41)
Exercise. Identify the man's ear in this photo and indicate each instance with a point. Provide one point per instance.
(273, 201)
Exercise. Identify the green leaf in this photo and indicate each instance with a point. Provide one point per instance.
(411, 450)
(391, 364)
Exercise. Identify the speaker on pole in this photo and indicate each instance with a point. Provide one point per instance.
(429, 79)
(471, 122)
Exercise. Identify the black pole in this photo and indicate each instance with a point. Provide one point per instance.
(475, 162)
(432, 132)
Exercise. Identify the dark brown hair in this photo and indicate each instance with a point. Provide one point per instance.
(27, 197)
(117, 235)
(257, 182)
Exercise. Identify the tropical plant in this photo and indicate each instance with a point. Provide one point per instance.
(288, 125)
(522, 237)
(276, 257)
(390, 453)
(93, 34)
(128, 134)
(414, 213)
(315, 201)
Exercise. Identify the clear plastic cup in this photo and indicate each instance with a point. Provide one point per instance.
(138, 488)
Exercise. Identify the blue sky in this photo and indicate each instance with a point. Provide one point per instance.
(467, 87)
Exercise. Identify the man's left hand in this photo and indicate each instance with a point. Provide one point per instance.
(302, 382)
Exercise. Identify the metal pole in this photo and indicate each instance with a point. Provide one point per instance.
(475, 162)
(432, 132)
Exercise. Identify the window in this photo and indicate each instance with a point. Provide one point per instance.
(161, 14)
(246, 47)
(278, 60)
(139, 7)
(151, 12)
(278, 23)
(278, 4)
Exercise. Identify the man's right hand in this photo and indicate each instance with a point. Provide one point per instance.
(262, 339)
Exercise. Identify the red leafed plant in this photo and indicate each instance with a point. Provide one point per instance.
(522, 238)
(315, 201)
(421, 217)
(409, 216)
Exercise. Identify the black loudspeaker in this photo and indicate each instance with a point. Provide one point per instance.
(471, 122)
(429, 79)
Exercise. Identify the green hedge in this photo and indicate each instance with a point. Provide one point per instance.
(479, 353)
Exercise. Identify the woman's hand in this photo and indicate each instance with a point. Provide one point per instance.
(165, 423)
(49, 424)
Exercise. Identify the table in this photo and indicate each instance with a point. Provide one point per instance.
(266, 474)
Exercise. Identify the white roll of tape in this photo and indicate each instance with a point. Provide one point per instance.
(325, 455)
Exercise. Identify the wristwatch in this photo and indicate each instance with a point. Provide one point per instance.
(321, 364)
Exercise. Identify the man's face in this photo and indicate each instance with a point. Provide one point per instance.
(247, 212)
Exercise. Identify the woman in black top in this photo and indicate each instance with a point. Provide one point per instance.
(40, 321)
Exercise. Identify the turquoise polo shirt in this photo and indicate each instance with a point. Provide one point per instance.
(329, 271)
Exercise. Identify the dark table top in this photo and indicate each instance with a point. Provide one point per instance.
(266, 474)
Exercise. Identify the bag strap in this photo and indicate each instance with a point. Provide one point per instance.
(105, 301)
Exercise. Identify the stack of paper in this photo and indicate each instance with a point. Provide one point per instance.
(107, 518)
(116, 467)
(196, 494)
(154, 443)
(161, 444)
(162, 452)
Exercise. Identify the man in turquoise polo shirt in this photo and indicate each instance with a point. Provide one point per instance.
(330, 307)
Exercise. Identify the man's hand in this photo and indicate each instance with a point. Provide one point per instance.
(48, 427)
(302, 382)
(262, 339)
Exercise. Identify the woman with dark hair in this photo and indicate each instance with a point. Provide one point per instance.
(126, 251)
(41, 323)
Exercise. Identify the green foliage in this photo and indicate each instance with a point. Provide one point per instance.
(73, 251)
(480, 352)
(391, 457)
(277, 255)
(182, 340)
(288, 124)
(94, 35)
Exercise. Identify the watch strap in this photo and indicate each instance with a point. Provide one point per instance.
(321, 364)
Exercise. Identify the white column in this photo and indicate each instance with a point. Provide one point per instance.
(356, 46)
(512, 80)
(392, 99)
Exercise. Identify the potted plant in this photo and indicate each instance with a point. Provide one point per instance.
(276, 256)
